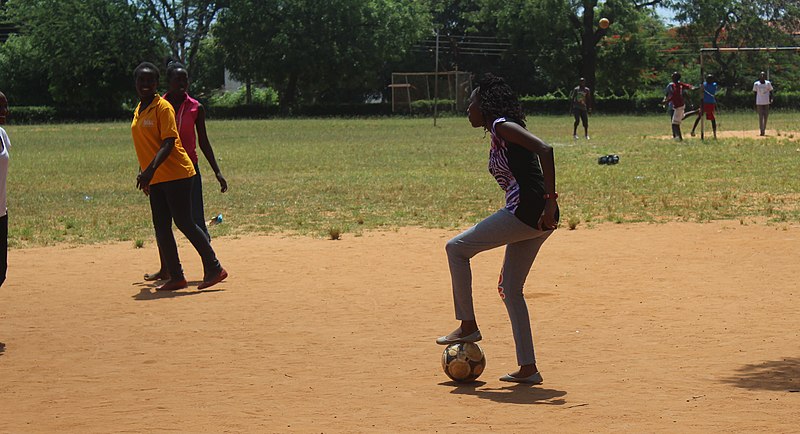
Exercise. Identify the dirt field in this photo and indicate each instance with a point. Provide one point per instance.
(741, 134)
(638, 328)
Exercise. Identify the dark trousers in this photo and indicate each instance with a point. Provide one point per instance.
(580, 116)
(198, 213)
(172, 201)
(3, 248)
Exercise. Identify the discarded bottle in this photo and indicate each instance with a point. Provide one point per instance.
(216, 220)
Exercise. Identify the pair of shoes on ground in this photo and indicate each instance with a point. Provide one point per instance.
(535, 378)
(174, 285)
(449, 339)
(575, 137)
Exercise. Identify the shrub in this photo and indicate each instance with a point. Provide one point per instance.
(261, 96)
(31, 114)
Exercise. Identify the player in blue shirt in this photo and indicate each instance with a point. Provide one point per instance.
(709, 103)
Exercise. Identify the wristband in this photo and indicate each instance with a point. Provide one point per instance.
(550, 196)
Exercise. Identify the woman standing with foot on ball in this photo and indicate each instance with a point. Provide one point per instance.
(190, 115)
(166, 177)
(523, 165)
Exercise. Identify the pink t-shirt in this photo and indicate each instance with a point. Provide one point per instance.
(185, 117)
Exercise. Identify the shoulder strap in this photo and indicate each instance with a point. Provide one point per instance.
(494, 124)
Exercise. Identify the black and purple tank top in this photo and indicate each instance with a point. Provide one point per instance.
(519, 173)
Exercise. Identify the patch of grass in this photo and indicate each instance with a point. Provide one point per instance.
(138, 244)
(362, 174)
(573, 223)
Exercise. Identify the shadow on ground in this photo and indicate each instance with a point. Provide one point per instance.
(779, 375)
(147, 294)
(516, 394)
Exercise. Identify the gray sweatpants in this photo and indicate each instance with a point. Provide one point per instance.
(763, 114)
(522, 244)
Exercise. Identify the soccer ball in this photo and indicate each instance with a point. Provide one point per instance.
(604, 23)
(463, 362)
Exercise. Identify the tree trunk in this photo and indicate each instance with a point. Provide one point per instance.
(287, 97)
(588, 45)
(248, 92)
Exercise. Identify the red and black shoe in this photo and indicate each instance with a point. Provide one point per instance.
(219, 277)
(173, 285)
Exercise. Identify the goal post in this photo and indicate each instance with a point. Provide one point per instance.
(451, 86)
(704, 51)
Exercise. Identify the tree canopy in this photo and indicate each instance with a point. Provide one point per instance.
(79, 54)
(318, 50)
(87, 49)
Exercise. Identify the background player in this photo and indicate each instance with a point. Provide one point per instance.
(676, 96)
(709, 107)
(763, 91)
(580, 104)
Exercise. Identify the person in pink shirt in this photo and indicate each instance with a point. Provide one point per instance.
(190, 116)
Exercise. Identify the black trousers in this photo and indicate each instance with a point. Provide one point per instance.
(3, 248)
(581, 116)
(172, 201)
(198, 211)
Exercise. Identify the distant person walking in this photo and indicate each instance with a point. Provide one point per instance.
(763, 90)
(166, 177)
(5, 143)
(676, 97)
(190, 116)
(580, 104)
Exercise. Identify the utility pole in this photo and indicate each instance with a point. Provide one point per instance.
(436, 81)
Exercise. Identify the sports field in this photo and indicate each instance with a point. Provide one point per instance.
(672, 306)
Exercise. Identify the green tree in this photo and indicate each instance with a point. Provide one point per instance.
(628, 54)
(741, 23)
(86, 48)
(318, 51)
(21, 72)
(558, 41)
(210, 71)
(183, 24)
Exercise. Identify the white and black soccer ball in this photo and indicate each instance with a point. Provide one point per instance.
(463, 362)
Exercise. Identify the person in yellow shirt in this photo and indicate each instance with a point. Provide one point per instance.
(166, 178)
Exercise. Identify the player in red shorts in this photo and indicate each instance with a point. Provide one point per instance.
(709, 103)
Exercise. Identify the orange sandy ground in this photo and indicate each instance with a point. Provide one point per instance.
(639, 328)
(741, 134)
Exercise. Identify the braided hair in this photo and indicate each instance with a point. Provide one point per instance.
(497, 99)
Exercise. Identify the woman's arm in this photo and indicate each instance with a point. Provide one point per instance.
(515, 133)
(205, 146)
(144, 178)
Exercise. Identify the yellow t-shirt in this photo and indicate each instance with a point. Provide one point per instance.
(149, 129)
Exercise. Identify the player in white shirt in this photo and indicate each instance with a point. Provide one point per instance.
(763, 90)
